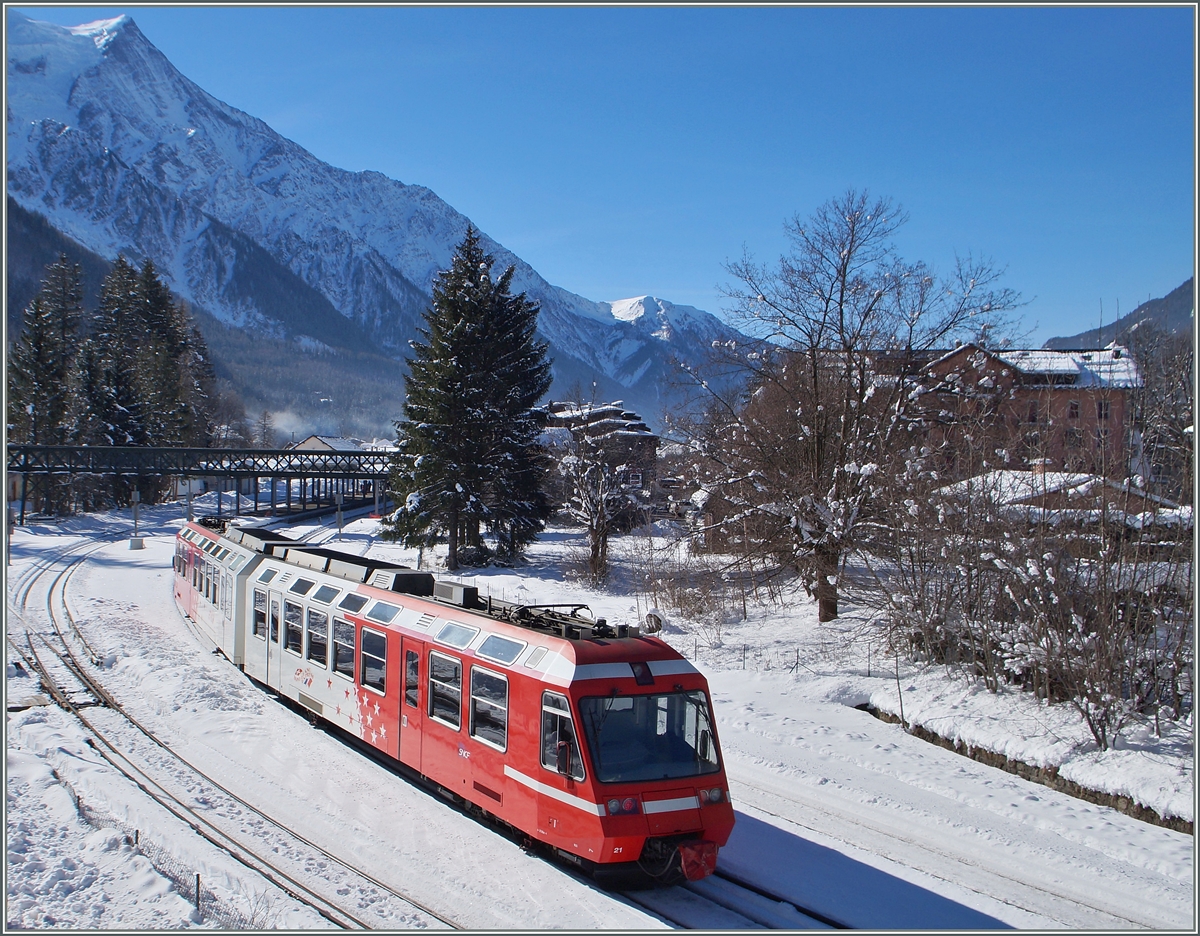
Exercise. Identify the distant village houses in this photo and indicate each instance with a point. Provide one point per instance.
(625, 443)
(1069, 410)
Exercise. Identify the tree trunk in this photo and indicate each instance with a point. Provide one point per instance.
(827, 596)
(452, 536)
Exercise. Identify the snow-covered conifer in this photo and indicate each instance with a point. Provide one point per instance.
(468, 458)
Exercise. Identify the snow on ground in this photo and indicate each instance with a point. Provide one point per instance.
(835, 809)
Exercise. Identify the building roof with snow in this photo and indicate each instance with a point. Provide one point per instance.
(1010, 487)
(320, 443)
(1112, 367)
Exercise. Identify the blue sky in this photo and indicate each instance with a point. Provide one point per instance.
(631, 150)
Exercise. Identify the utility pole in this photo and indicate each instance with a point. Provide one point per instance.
(136, 542)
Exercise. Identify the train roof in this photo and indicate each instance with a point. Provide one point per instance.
(594, 638)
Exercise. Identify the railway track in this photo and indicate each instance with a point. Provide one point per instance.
(968, 870)
(723, 901)
(177, 785)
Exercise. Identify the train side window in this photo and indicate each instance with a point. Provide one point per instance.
(325, 594)
(489, 708)
(501, 649)
(383, 612)
(352, 603)
(558, 728)
(445, 689)
(412, 675)
(260, 614)
(374, 659)
(318, 636)
(274, 620)
(301, 586)
(293, 623)
(343, 648)
(267, 575)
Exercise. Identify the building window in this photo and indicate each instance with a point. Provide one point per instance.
(374, 659)
(1073, 438)
(445, 689)
(1033, 411)
(1102, 439)
(489, 707)
(1073, 409)
(1102, 409)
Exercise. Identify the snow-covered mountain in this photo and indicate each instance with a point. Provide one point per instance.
(121, 152)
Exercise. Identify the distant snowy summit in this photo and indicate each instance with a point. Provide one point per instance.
(122, 153)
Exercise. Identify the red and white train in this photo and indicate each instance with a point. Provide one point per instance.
(598, 741)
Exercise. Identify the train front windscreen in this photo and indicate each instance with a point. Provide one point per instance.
(665, 736)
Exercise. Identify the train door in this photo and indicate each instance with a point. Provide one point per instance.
(274, 649)
(412, 652)
(561, 769)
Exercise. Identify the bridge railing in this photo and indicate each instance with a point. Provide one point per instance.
(196, 462)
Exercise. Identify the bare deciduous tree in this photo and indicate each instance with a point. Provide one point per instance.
(824, 397)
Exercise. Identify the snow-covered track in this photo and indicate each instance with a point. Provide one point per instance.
(724, 902)
(160, 772)
(967, 867)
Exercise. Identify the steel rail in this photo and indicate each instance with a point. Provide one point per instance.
(181, 811)
(880, 829)
(97, 689)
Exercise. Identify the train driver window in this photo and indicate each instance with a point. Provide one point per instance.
(489, 708)
(293, 621)
(558, 728)
(343, 648)
(318, 636)
(412, 662)
(445, 690)
(374, 659)
(260, 614)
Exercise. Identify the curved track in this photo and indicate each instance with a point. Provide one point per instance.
(159, 770)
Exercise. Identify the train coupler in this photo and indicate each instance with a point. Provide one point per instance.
(697, 859)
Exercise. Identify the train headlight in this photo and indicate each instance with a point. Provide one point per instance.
(623, 807)
(614, 806)
(711, 796)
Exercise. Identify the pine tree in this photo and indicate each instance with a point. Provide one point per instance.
(468, 457)
(117, 332)
(42, 357)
